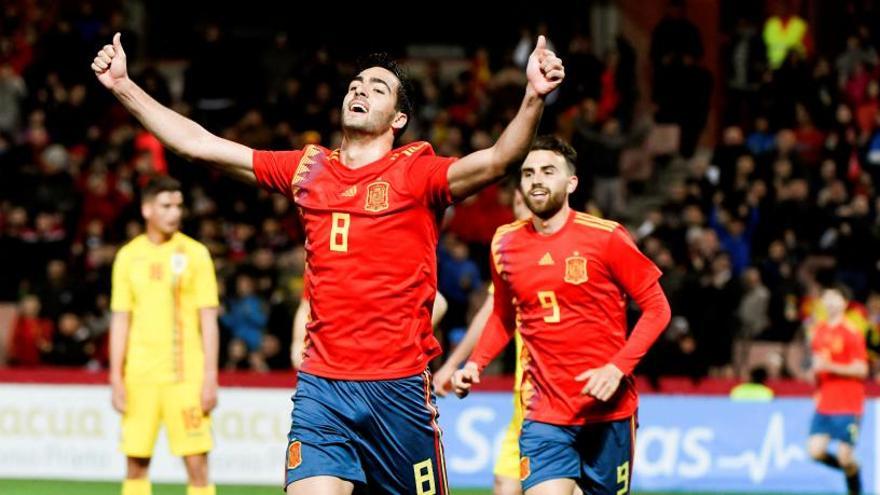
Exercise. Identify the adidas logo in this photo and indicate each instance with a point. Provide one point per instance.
(546, 260)
(350, 192)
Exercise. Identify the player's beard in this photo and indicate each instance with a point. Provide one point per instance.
(371, 124)
(547, 208)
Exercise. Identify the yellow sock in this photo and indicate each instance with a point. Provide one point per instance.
(201, 490)
(137, 487)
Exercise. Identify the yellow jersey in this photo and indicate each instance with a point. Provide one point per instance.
(163, 287)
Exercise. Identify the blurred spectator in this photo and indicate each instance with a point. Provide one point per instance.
(784, 32)
(246, 317)
(746, 62)
(71, 344)
(675, 37)
(735, 232)
(754, 304)
(755, 390)
(855, 56)
(458, 277)
(12, 95)
(57, 292)
(31, 336)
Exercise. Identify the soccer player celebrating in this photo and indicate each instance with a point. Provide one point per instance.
(163, 342)
(840, 365)
(570, 275)
(506, 469)
(363, 410)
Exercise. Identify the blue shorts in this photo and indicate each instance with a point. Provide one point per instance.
(599, 456)
(381, 435)
(842, 427)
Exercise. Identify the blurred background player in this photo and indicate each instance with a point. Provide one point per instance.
(840, 365)
(570, 275)
(370, 215)
(164, 342)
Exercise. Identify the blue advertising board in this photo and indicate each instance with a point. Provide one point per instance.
(684, 443)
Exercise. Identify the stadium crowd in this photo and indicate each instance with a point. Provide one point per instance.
(745, 231)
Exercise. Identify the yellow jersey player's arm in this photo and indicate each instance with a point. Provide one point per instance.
(180, 134)
(121, 300)
(207, 300)
(443, 376)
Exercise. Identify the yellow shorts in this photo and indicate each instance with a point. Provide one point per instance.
(507, 464)
(178, 406)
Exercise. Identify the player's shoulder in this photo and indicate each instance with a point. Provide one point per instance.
(132, 247)
(509, 230)
(190, 244)
(412, 153)
(594, 223)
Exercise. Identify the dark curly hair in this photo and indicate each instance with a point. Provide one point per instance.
(404, 90)
(557, 145)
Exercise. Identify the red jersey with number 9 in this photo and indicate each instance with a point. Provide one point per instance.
(371, 241)
(567, 294)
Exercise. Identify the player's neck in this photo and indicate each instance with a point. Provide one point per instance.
(553, 224)
(156, 236)
(361, 149)
(837, 320)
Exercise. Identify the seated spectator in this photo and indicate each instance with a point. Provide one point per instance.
(31, 335)
(71, 344)
(246, 318)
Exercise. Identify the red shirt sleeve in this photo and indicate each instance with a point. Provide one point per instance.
(655, 316)
(857, 349)
(429, 181)
(629, 267)
(274, 169)
(638, 276)
(501, 325)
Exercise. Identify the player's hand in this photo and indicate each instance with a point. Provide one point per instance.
(117, 396)
(209, 396)
(443, 380)
(463, 379)
(602, 382)
(544, 70)
(109, 64)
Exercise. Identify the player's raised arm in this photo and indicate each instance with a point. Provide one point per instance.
(474, 171)
(179, 134)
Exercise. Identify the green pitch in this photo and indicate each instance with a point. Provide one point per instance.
(43, 487)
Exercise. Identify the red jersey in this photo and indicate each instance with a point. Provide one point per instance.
(567, 292)
(371, 240)
(839, 344)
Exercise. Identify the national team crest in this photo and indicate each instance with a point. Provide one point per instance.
(294, 455)
(524, 468)
(178, 263)
(576, 269)
(377, 196)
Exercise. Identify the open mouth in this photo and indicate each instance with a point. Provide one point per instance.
(539, 193)
(358, 107)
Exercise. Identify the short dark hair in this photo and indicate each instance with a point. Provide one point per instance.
(159, 184)
(758, 374)
(404, 89)
(555, 144)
